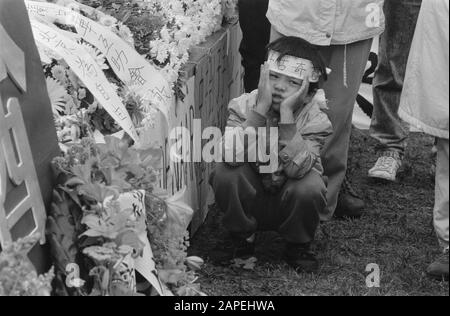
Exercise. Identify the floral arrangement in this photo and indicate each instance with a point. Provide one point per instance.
(164, 33)
(89, 225)
(18, 276)
(188, 24)
(178, 24)
(77, 113)
(93, 227)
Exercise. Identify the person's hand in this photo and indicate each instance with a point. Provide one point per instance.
(296, 100)
(264, 101)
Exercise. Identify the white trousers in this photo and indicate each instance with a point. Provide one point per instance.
(441, 206)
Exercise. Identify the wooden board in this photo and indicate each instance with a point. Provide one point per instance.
(17, 166)
(38, 122)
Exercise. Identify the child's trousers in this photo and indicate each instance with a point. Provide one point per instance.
(293, 212)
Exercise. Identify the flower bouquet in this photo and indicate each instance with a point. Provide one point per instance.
(108, 219)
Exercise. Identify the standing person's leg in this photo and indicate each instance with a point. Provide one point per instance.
(439, 269)
(256, 34)
(387, 128)
(347, 64)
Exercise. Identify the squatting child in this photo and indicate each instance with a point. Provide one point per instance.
(289, 200)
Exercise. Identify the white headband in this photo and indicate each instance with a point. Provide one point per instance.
(293, 67)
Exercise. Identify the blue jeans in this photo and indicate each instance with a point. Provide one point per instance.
(395, 43)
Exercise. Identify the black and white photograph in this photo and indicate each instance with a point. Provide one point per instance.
(224, 154)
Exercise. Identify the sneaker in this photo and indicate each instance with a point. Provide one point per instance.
(439, 269)
(300, 258)
(350, 205)
(386, 167)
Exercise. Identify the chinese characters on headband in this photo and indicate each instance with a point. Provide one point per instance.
(293, 67)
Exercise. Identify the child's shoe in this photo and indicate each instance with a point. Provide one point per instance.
(239, 248)
(243, 248)
(300, 258)
(439, 269)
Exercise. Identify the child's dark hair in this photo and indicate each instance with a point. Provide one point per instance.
(298, 47)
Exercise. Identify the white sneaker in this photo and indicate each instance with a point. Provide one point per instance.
(386, 168)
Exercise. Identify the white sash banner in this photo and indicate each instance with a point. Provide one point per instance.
(87, 70)
(145, 263)
(129, 66)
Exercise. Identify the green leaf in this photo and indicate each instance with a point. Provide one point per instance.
(109, 226)
(113, 147)
(171, 276)
(131, 239)
(118, 178)
(73, 182)
(83, 172)
(151, 158)
(97, 192)
(99, 254)
(194, 263)
(61, 233)
(120, 290)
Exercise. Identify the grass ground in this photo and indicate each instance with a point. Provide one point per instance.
(396, 233)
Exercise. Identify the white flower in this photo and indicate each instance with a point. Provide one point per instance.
(81, 94)
(59, 73)
(97, 55)
(93, 107)
(58, 96)
(115, 87)
(108, 21)
(125, 33)
(189, 23)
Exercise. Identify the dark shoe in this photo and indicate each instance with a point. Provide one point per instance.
(242, 248)
(300, 258)
(439, 269)
(239, 248)
(349, 205)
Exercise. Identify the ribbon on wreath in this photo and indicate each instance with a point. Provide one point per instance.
(87, 70)
(131, 68)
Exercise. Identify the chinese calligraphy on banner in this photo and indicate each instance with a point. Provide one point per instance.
(132, 69)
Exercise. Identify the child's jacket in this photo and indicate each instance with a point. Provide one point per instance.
(300, 144)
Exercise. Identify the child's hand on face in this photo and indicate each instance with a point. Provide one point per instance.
(296, 100)
(293, 103)
(264, 91)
